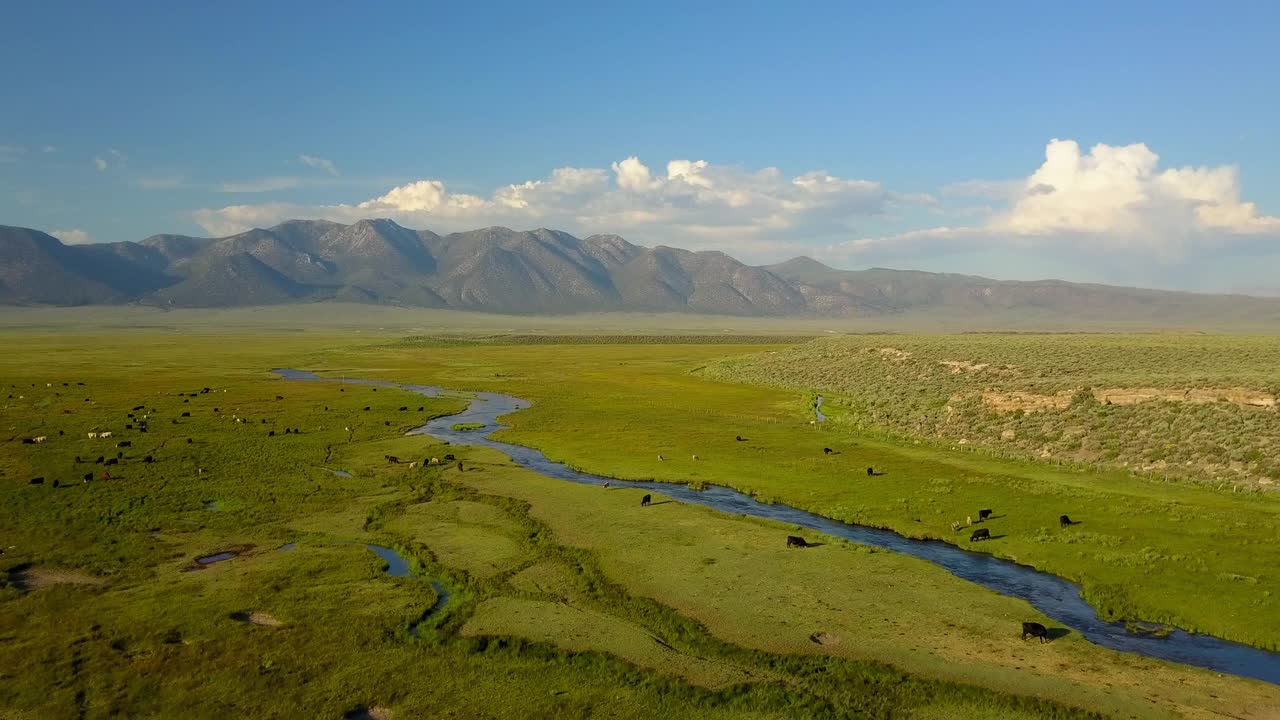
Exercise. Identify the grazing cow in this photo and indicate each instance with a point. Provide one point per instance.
(106, 476)
(739, 438)
(287, 431)
(271, 433)
(174, 421)
(124, 443)
(88, 477)
(1035, 630)
(980, 534)
(387, 423)
(870, 472)
(188, 441)
(217, 410)
(955, 526)
(984, 515)
(420, 408)
(342, 389)
(186, 401)
(827, 451)
(112, 461)
(403, 408)
(139, 407)
(279, 397)
(204, 391)
(36, 481)
(264, 421)
(41, 438)
(1064, 521)
(459, 466)
(366, 407)
(99, 460)
(659, 458)
(646, 500)
(449, 458)
(393, 459)
(796, 541)
(433, 461)
(147, 459)
(413, 464)
(186, 414)
(28, 441)
(375, 389)
(695, 457)
(104, 434)
(143, 428)
(128, 427)
(78, 460)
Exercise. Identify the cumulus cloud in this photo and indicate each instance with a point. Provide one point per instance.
(693, 203)
(112, 158)
(72, 237)
(1110, 201)
(319, 163)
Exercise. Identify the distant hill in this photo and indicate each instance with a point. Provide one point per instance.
(538, 272)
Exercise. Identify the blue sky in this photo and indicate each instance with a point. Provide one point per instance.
(912, 135)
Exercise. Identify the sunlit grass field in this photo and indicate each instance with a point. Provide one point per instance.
(565, 600)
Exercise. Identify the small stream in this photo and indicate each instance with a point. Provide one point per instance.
(398, 566)
(1054, 596)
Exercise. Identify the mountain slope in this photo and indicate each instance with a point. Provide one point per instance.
(543, 271)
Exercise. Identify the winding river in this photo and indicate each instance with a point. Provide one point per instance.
(1055, 597)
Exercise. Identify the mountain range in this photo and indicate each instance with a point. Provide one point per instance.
(533, 272)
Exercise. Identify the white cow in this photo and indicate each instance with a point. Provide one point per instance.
(93, 435)
(104, 434)
(41, 439)
(413, 465)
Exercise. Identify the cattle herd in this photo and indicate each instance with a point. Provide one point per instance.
(1029, 629)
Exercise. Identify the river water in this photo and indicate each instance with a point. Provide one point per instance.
(1054, 596)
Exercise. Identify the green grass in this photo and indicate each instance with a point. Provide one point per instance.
(1148, 550)
(467, 426)
(157, 640)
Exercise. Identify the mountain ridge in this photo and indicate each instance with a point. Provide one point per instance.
(540, 271)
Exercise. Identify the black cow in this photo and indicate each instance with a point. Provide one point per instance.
(420, 409)
(271, 433)
(1064, 521)
(216, 410)
(646, 500)
(1035, 630)
(366, 407)
(827, 451)
(28, 441)
(983, 515)
(403, 408)
(459, 466)
(186, 401)
(796, 541)
(870, 472)
(387, 423)
(139, 407)
(88, 477)
(124, 443)
(99, 460)
(78, 460)
(393, 459)
(739, 438)
(264, 421)
(204, 390)
(287, 431)
(448, 458)
(128, 427)
(112, 461)
(279, 397)
(36, 481)
(980, 534)
(188, 441)
(174, 421)
(186, 414)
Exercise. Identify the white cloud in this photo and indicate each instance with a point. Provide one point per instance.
(49, 149)
(694, 204)
(72, 237)
(319, 163)
(112, 158)
(100, 163)
(1111, 201)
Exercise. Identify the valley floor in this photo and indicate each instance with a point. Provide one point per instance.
(563, 600)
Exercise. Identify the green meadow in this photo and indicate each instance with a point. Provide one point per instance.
(562, 600)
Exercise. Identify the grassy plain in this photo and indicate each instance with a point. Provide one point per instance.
(318, 628)
(566, 601)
